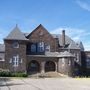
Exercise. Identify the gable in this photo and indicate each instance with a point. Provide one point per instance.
(40, 33)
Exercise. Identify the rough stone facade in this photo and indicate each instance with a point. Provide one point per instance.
(65, 56)
(10, 52)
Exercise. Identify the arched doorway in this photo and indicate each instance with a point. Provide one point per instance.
(33, 67)
(49, 66)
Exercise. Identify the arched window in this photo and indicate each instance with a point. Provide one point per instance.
(33, 48)
(41, 47)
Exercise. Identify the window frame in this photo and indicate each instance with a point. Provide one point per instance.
(33, 49)
(41, 47)
(15, 61)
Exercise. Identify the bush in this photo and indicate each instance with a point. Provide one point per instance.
(9, 74)
(19, 74)
(5, 74)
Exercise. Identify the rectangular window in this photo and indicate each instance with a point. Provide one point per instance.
(15, 61)
(33, 48)
(41, 47)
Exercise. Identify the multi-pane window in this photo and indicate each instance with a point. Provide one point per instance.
(47, 48)
(15, 44)
(15, 61)
(33, 48)
(41, 47)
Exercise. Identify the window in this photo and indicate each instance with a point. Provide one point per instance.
(33, 48)
(41, 47)
(47, 48)
(15, 44)
(88, 62)
(15, 61)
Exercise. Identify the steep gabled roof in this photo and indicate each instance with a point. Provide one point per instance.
(73, 45)
(16, 34)
(80, 44)
(40, 26)
(68, 41)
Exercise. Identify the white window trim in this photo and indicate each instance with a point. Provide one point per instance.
(15, 61)
(41, 47)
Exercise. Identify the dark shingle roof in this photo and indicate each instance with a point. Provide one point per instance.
(68, 41)
(79, 44)
(2, 48)
(16, 34)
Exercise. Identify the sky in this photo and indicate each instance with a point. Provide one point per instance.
(73, 16)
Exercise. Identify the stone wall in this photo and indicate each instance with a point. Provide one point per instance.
(45, 37)
(42, 61)
(10, 52)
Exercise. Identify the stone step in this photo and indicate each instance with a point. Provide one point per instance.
(47, 75)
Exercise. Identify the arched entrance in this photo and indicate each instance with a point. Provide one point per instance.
(49, 66)
(33, 67)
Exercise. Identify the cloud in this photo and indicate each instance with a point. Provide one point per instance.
(84, 5)
(76, 34)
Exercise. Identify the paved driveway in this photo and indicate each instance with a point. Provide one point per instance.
(44, 84)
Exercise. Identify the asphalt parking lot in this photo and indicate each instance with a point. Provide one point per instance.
(44, 84)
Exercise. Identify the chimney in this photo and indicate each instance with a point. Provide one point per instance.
(63, 37)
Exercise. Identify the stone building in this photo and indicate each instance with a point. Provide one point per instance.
(41, 51)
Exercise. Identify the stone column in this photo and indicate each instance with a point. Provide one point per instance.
(43, 67)
(56, 69)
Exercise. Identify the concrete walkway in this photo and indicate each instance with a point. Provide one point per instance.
(44, 84)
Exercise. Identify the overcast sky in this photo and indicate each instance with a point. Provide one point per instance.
(54, 15)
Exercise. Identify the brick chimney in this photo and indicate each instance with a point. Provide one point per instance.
(63, 37)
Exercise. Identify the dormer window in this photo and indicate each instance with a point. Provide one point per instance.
(41, 47)
(15, 44)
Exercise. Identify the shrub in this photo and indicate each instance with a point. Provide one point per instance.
(9, 74)
(17, 74)
(5, 74)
